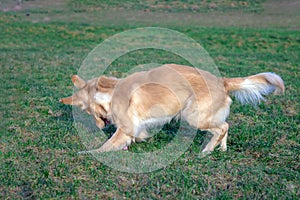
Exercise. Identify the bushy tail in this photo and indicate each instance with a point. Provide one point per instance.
(251, 89)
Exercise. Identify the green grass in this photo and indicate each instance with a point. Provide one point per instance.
(39, 144)
(167, 5)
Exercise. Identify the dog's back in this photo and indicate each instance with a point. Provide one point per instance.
(167, 91)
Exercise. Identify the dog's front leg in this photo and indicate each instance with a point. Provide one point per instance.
(118, 141)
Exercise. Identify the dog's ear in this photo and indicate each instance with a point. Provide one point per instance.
(67, 100)
(74, 100)
(78, 82)
(106, 83)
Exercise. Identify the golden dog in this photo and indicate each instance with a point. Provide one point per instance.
(150, 98)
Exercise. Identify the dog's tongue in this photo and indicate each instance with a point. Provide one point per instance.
(125, 148)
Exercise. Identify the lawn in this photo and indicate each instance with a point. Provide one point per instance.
(43, 44)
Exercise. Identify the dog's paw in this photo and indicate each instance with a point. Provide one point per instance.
(104, 148)
(83, 152)
(222, 148)
(204, 154)
(91, 151)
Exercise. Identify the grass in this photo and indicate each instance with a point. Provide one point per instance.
(39, 144)
(167, 5)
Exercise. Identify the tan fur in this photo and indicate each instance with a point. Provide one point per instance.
(84, 98)
(154, 97)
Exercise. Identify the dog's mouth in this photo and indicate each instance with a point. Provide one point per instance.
(106, 121)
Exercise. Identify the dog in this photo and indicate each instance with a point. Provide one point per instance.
(149, 98)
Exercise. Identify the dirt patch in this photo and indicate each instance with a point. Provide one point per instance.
(275, 14)
(21, 5)
(286, 7)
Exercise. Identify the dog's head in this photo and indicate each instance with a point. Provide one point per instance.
(94, 97)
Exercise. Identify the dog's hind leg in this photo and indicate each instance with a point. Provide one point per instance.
(223, 145)
(219, 136)
(118, 141)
